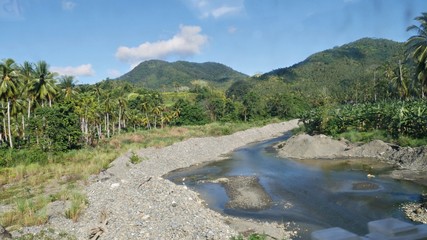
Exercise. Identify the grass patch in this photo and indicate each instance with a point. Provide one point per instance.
(404, 141)
(355, 136)
(27, 212)
(60, 176)
(78, 204)
(134, 158)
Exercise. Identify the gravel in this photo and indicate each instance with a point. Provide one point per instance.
(130, 201)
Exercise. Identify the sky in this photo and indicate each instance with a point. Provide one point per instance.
(97, 39)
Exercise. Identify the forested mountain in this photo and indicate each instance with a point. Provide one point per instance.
(348, 72)
(157, 74)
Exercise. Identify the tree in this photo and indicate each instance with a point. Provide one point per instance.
(44, 86)
(189, 114)
(417, 49)
(56, 128)
(122, 104)
(108, 105)
(9, 88)
(27, 75)
(67, 84)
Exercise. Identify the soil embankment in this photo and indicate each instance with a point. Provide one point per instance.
(304, 146)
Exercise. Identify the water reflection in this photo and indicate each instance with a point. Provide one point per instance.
(314, 194)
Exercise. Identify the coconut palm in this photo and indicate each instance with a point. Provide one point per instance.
(67, 84)
(9, 89)
(122, 104)
(44, 85)
(417, 49)
(27, 76)
(107, 105)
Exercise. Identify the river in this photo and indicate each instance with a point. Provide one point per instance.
(312, 194)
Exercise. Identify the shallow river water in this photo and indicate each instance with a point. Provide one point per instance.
(313, 194)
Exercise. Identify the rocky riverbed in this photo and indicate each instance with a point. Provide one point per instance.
(130, 201)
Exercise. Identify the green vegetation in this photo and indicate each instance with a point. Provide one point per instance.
(395, 121)
(62, 176)
(78, 204)
(253, 236)
(54, 133)
(180, 75)
(134, 158)
(360, 71)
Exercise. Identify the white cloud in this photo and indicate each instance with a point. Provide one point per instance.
(82, 70)
(188, 41)
(224, 10)
(216, 9)
(68, 5)
(113, 73)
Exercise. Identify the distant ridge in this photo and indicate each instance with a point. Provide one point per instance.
(156, 74)
(341, 70)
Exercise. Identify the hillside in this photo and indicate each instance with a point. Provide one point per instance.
(157, 74)
(343, 71)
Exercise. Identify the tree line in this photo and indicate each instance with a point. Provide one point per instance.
(42, 110)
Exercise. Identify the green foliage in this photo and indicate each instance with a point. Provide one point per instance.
(157, 74)
(78, 204)
(353, 72)
(10, 158)
(134, 158)
(190, 113)
(56, 128)
(392, 119)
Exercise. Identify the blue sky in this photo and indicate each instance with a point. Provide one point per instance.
(96, 39)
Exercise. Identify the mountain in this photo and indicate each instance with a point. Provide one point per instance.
(342, 72)
(157, 74)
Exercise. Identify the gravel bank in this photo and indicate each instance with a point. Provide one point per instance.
(134, 202)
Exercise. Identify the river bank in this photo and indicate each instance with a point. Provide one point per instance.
(133, 201)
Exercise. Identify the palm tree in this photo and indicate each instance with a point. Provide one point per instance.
(108, 105)
(44, 85)
(122, 104)
(9, 88)
(417, 49)
(67, 84)
(27, 75)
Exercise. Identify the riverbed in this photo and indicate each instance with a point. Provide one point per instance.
(313, 194)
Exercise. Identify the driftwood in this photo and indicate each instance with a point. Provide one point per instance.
(96, 232)
(4, 234)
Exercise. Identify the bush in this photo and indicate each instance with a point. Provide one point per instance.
(13, 157)
(134, 158)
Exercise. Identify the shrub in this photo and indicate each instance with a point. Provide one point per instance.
(134, 158)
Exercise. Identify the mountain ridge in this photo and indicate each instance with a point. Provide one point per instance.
(155, 74)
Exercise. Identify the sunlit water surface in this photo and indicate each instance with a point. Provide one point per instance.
(313, 194)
